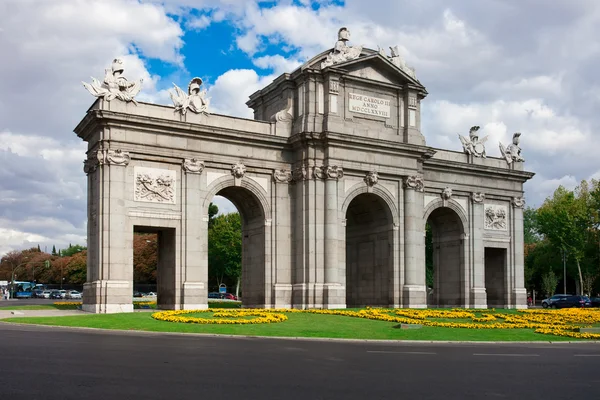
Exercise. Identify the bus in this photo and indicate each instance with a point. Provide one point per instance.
(22, 289)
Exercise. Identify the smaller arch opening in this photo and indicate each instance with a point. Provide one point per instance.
(369, 255)
(445, 259)
(242, 274)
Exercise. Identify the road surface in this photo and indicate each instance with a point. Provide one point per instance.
(53, 363)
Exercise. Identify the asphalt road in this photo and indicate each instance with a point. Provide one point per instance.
(50, 363)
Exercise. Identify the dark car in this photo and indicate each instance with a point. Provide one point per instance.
(549, 301)
(595, 301)
(572, 301)
(138, 294)
(38, 293)
(214, 295)
(56, 295)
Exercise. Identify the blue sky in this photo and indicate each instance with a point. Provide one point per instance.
(507, 66)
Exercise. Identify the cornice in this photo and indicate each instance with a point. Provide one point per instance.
(103, 118)
(474, 169)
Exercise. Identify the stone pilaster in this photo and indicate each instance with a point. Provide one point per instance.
(478, 292)
(110, 290)
(334, 295)
(414, 291)
(282, 239)
(195, 270)
(519, 293)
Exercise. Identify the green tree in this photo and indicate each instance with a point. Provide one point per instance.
(213, 210)
(549, 282)
(72, 250)
(565, 220)
(428, 256)
(145, 257)
(225, 249)
(54, 253)
(530, 226)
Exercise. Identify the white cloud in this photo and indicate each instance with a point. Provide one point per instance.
(198, 23)
(230, 89)
(277, 63)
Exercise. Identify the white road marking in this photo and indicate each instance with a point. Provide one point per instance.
(400, 352)
(505, 355)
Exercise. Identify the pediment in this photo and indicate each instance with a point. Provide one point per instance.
(370, 65)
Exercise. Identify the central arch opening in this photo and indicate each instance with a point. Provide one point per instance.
(252, 275)
(445, 235)
(369, 245)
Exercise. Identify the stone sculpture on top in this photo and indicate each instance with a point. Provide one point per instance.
(115, 85)
(341, 51)
(195, 100)
(512, 152)
(473, 145)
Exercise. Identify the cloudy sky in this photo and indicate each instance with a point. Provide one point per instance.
(506, 65)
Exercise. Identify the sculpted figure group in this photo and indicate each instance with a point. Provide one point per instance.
(116, 86)
(341, 51)
(476, 147)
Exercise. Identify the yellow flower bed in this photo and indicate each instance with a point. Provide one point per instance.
(221, 316)
(67, 303)
(565, 322)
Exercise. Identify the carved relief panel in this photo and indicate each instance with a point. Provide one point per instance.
(154, 185)
(495, 217)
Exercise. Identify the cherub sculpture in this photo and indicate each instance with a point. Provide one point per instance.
(195, 99)
(512, 152)
(341, 51)
(473, 145)
(115, 85)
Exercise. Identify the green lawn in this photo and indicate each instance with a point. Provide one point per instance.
(297, 325)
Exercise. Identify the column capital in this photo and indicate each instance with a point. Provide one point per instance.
(518, 202)
(282, 175)
(477, 197)
(192, 166)
(117, 157)
(414, 182)
(328, 172)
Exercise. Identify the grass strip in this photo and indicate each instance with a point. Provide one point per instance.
(297, 325)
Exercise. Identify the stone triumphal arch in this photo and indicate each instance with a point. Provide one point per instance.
(334, 182)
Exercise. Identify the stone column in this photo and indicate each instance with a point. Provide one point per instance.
(414, 291)
(519, 293)
(334, 295)
(282, 239)
(478, 293)
(109, 288)
(195, 271)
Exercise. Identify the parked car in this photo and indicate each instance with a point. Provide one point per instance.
(138, 294)
(151, 294)
(229, 296)
(74, 294)
(56, 294)
(215, 295)
(63, 293)
(572, 301)
(595, 301)
(46, 294)
(38, 293)
(548, 302)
